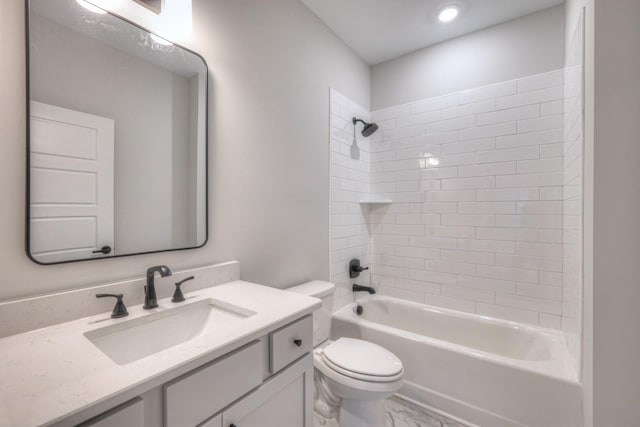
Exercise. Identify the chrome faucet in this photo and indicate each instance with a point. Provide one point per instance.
(150, 298)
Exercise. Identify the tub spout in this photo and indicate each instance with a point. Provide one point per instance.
(358, 288)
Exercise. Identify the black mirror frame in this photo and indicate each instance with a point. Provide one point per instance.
(28, 150)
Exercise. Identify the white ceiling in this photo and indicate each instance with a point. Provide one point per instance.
(379, 30)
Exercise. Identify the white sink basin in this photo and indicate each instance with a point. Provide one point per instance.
(135, 339)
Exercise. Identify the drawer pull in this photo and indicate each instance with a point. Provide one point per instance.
(298, 343)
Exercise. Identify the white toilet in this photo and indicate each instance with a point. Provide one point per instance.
(352, 377)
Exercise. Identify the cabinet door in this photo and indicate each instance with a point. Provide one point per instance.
(201, 393)
(130, 414)
(286, 400)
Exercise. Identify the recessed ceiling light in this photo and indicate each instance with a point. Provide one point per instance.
(160, 40)
(89, 6)
(448, 14)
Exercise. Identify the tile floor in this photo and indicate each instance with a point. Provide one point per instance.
(401, 413)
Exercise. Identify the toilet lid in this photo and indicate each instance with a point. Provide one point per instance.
(362, 357)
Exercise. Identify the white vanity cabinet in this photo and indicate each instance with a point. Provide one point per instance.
(265, 383)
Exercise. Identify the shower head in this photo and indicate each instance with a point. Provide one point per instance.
(368, 129)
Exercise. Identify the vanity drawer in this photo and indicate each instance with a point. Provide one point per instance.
(290, 342)
(192, 399)
(130, 414)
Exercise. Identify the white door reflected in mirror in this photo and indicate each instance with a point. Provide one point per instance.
(71, 183)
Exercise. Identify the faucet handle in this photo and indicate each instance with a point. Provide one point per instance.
(119, 310)
(355, 269)
(177, 295)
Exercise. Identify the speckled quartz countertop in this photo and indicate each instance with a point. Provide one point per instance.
(51, 374)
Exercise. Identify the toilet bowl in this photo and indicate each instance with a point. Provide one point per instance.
(352, 377)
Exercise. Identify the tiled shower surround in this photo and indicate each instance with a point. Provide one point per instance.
(476, 183)
(350, 180)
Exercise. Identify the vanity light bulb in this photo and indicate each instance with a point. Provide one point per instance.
(160, 40)
(448, 14)
(90, 7)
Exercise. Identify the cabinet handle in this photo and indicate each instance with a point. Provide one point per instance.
(298, 343)
(232, 425)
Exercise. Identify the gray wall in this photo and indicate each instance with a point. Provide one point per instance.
(529, 45)
(611, 320)
(616, 270)
(271, 64)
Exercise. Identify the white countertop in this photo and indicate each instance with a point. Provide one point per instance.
(50, 374)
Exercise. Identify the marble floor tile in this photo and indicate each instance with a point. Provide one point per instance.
(400, 413)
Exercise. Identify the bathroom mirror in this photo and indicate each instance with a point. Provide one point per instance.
(117, 137)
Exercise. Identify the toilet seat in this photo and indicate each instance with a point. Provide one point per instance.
(362, 360)
(341, 383)
(361, 377)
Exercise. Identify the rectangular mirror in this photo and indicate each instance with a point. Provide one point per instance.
(117, 140)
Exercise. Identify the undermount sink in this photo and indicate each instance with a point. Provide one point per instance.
(135, 339)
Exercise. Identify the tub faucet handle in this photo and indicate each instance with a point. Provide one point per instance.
(355, 269)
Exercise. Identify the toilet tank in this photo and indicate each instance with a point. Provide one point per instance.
(322, 316)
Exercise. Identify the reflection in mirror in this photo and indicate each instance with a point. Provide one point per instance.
(153, 5)
(117, 137)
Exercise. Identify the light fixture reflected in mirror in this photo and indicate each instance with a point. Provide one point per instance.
(154, 6)
(160, 40)
(91, 7)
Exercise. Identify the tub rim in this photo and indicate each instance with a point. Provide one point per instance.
(558, 367)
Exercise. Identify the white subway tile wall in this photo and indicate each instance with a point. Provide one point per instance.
(478, 219)
(572, 207)
(486, 191)
(350, 179)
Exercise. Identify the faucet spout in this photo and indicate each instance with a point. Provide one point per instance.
(359, 288)
(150, 298)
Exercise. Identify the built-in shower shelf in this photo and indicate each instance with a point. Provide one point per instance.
(376, 202)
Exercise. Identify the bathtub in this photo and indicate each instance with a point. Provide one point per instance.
(487, 372)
